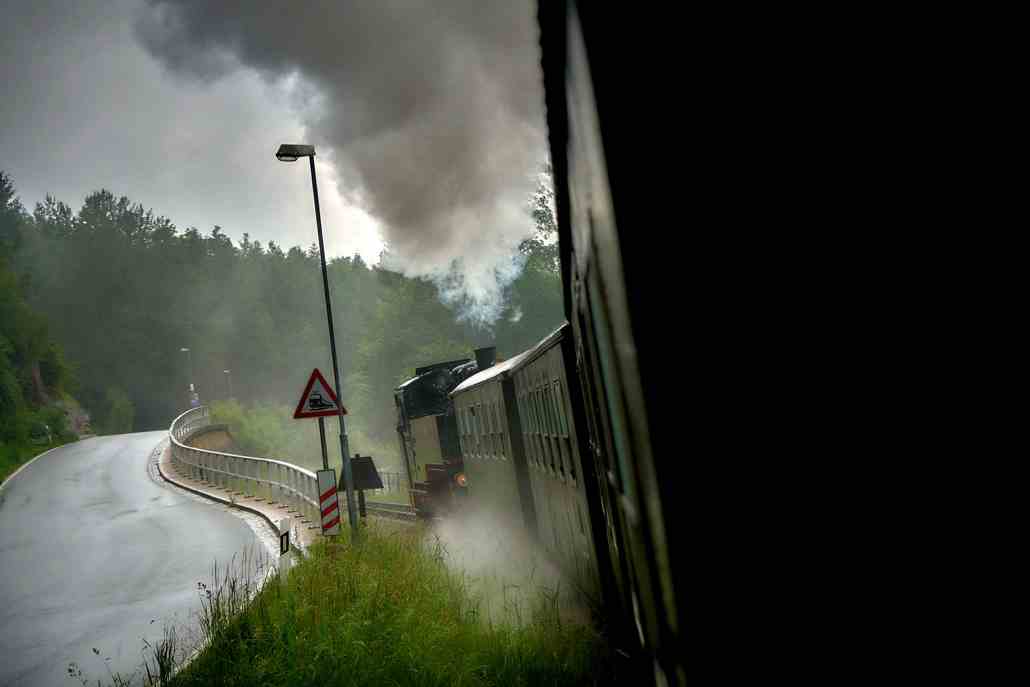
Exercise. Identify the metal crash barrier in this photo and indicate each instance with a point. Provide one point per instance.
(262, 478)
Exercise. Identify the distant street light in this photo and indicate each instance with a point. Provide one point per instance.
(291, 153)
(228, 379)
(189, 357)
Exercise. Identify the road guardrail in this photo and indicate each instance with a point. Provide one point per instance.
(263, 478)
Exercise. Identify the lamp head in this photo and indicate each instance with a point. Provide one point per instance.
(291, 152)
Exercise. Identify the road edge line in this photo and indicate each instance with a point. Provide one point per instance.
(33, 460)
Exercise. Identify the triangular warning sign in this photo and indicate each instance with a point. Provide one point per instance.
(318, 399)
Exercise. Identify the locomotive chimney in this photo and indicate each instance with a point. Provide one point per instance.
(485, 357)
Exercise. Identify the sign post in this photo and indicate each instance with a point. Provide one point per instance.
(285, 558)
(328, 502)
(365, 477)
(284, 537)
(319, 400)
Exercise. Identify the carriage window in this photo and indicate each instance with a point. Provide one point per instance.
(497, 429)
(551, 457)
(611, 391)
(477, 428)
(558, 438)
(538, 428)
(560, 400)
(545, 392)
(491, 427)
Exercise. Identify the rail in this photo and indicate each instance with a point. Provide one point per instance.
(395, 511)
(264, 478)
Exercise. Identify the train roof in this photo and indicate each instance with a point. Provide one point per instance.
(510, 364)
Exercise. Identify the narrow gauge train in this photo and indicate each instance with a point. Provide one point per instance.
(428, 433)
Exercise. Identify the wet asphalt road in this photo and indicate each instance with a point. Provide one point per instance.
(91, 551)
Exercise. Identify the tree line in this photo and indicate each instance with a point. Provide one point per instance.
(120, 291)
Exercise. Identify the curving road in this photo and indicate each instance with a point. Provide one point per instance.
(92, 550)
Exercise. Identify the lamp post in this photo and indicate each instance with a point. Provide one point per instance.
(228, 380)
(291, 153)
(189, 358)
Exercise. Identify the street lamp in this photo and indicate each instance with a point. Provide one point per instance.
(189, 357)
(228, 380)
(291, 153)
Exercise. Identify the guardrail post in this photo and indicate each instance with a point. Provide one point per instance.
(313, 503)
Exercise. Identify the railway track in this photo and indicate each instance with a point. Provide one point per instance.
(396, 511)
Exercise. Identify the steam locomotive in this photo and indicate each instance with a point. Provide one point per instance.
(428, 432)
(565, 436)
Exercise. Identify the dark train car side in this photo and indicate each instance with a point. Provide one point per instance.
(592, 55)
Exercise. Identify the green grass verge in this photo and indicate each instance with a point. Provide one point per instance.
(14, 455)
(388, 611)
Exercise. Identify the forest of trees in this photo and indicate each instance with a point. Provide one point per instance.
(33, 376)
(121, 291)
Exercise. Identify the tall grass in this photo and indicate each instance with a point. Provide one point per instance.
(387, 611)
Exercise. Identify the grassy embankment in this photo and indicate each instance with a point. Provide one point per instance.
(386, 612)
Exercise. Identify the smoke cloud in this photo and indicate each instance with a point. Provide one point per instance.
(430, 112)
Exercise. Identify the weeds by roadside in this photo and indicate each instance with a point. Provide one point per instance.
(388, 611)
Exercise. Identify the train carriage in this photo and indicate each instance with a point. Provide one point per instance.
(521, 453)
(491, 446)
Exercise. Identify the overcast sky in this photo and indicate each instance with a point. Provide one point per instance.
(428, 119)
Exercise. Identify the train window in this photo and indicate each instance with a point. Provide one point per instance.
(498, 428)
(552, 410)
(559, 393)
(477, 429)
(538, 432)
(611, 389)
(563, 427)
(491, 445)
(547, 425)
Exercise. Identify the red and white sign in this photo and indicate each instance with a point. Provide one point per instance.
(329, 502)
(318, 399)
